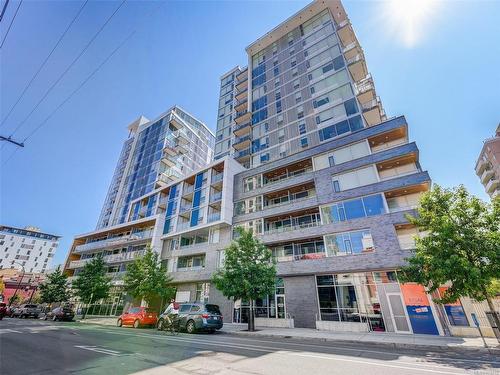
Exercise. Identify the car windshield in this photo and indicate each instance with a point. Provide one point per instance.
(213, 309)
(150, 311)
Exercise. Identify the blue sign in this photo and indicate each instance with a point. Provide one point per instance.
(422, 320)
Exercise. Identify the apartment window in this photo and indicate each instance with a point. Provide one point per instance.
(300, 111)
(292, 51)
(303, 142)
(281, 135)
(298, 97)
(353, 179)
(296, 84)
(275, 63)
(276, 82)
(353, 209)
(348, 243)
(264, 157)
(295, 72)
(276, 71)
(302, 128)
(293, 63)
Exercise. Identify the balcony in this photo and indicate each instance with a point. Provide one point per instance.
(241, 105)
(191, 263)
(312, 249)
(296, 194)
(187, 189)
(181, 136)
(216, 178)
(288, 172)
(486, 175)
(116, 241)
(492, 185)
(398, 167)
(291, 223)
(365, 90)
(242, 75)
(243, 84)
(242, 142)
(183, 225)
(240, 95)
(242, 116)
(241, 129)
(372, 111)
(481, 166)
(213, 217)
(242, 155)
(112, 258)
(357, 67)
(388, 140)
(406, 198)
(346, 33)
(216, 197)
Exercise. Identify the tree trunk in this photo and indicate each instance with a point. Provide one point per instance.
(251, 322)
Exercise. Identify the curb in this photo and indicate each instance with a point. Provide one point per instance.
(390, 345)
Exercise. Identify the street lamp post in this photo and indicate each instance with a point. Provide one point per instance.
(18, 284)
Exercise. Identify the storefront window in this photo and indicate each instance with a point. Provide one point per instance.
(350, 298)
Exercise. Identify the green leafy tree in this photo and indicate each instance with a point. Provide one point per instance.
(55, 287)
(15, 299)
(249, 271)
(461, 246)
(146, 278)
(2, 285)
(92, 284)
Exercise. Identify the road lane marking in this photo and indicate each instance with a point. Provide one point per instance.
(372, 363)
(96, 349)
(294, 352)
(8, 330)
(451, 359)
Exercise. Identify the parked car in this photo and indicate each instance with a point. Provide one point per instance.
(3, 310)
(197, 316)
(60, 313)
(137, 317)
(26, 311)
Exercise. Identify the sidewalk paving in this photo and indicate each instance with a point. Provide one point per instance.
(387, 339)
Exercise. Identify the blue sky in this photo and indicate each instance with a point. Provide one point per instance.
(444, 80)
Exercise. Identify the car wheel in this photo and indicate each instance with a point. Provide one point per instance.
(211, 331)
(190, 327)
(159, 325)
(136, 323)
(119, 323)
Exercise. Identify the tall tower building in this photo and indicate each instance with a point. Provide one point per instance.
(156, 153)
(306, 82)
(488, 165)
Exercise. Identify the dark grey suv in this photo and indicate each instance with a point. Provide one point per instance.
(197, 316)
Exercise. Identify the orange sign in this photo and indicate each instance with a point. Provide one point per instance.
(414, 295)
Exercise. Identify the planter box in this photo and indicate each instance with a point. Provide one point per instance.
(324, 325)
(274, 323)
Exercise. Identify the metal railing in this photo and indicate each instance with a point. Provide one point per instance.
(242, 153)
(355, 58)
(213, 217)
(215, 197)
(241, 126)
(217, 177)
(291, 199)
(241, 139)
(287, 176)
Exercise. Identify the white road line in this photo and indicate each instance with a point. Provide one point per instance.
(291, 351)
(370, 363)
(339, 347)
(8, 330)
(99, 350)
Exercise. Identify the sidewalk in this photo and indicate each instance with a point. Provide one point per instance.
(394, 340)
(387, 339)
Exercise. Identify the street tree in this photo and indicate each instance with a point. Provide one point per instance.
(147, 279)
(249, 271)
(92, 283)
(15, 299)
(55, 287)
(2, 285)
(460, 248)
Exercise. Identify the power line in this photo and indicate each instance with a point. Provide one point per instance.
(44, 62)
(10, 140)
(11, 22)
(68, 68)
(85, 81)
(4, 9)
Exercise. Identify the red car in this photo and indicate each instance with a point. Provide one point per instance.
(138, 316)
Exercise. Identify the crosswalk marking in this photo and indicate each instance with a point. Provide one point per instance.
(98, 350)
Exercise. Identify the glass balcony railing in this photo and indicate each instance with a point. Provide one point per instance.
(213, 217)
(147, 234)
(217, 177)
(275, 202)
(302, 222)
(215, 197)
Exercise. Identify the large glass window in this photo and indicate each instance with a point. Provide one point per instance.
(348, 243)
(354, 209)
(350, 298)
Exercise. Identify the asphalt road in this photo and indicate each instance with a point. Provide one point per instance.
(38, 347)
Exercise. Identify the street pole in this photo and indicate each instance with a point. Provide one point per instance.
(18, 284)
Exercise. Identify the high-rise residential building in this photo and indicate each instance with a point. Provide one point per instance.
(306, 158)
(156, 152)
(27, 248)
(302, 76)
(488, 165)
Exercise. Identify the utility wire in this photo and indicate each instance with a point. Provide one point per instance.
(44, 62)
(11, 22)
(4, 9)
(68, 68)
(85, 81)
